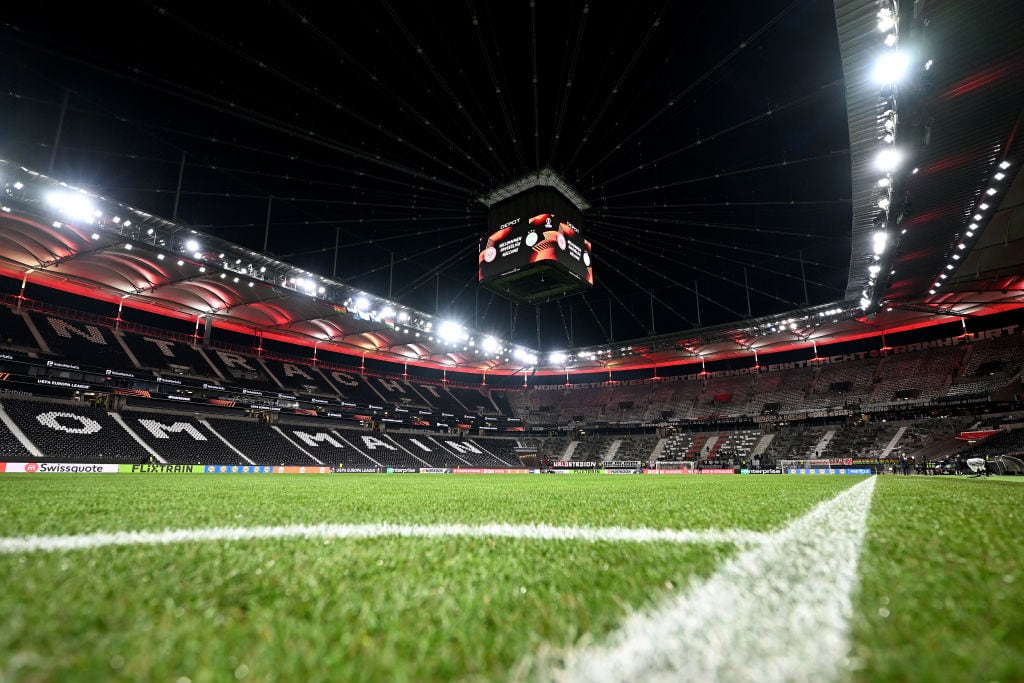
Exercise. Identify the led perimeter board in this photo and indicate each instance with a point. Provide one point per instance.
(535, 252)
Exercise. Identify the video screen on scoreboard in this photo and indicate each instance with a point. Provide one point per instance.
(535, 239)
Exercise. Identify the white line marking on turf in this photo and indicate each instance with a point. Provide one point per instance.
(527, 532)
(777, 612)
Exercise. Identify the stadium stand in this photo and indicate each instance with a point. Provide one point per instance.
(673, 400)
(990, 365)
(327, 445)
(476, 454)
(592, 448)
(261, 443)
(592, 404)
(1005, 442)
(501, 449)
(796, 441)
(519, 403)
(237, 367)
(297, 378)
(397, 392)
(16, 332)
(865, 440)
(446, 450)
(726, 396)
(780, 392)
(11, 447)
(501, 401)
(841, 383)
(908, 395)
(922, 375)
(678, 447)
(163, 354)
(92, 344)
(352, 386)
(474, 400)
(438, 398)
(180, 438)
(384, 450)
(632, 449)
(74, 431)
(736, 446)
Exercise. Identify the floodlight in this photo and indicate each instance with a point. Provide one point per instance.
(449, 331)
(525, 356)
(891, 67)
(878, 241)
(885, 20)
(888, 159)
(74, 205)
(192, 245)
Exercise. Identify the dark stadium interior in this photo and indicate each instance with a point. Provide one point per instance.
(761, 287)
(712, 145)
(727, 159)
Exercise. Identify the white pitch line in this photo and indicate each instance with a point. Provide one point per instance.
(777, 612)
(538, 532)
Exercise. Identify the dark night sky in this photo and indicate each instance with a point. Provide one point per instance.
(710, 140)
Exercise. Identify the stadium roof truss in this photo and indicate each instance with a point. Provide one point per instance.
(950, 211)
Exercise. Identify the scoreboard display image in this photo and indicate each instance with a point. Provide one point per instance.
(536, 252)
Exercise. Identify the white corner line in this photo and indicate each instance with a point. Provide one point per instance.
(538, 532)
(779, 611)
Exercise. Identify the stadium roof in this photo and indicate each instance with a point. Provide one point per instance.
(728, 161)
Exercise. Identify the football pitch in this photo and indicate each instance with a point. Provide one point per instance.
(523, 578)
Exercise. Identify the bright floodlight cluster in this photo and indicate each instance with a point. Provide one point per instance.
(977, 214)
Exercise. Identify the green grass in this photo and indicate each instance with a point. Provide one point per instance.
(943, 556)
(942, 593)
